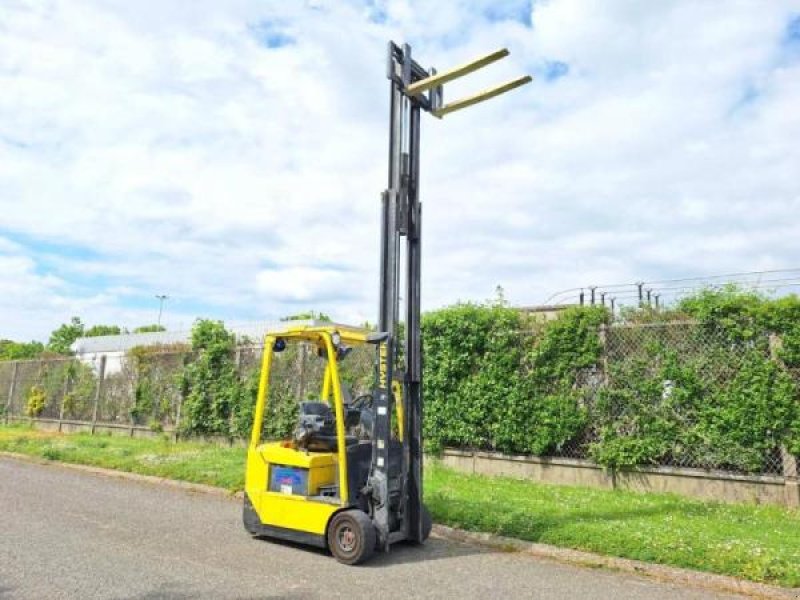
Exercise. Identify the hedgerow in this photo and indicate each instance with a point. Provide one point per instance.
(495, 380)
(717, 391)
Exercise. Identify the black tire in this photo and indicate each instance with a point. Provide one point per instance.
(427, 523)
(351, 537)
(252, 523)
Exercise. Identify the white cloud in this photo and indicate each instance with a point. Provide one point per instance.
(186, 157)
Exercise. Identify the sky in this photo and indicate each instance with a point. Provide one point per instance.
(231, 155)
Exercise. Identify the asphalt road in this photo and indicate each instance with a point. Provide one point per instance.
(68, 534)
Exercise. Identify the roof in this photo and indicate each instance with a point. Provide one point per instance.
(126, 341)
(310, 330)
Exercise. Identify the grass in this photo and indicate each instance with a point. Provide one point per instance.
(759, 543)
(189, 461)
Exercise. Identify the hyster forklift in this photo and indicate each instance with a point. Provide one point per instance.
(350, 478)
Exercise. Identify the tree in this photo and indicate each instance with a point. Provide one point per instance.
(10, 350)
(62, 338)
(149, 329)
(211, 387)
(310, 315)
(98, 330)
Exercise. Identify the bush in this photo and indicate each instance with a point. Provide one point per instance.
(210, 385)
(495, 381)
(35, 401)
(708, 395)
(158, 374)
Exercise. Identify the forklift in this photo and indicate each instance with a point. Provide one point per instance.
(350, 477)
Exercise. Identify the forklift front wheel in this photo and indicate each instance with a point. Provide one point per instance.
(351, 537)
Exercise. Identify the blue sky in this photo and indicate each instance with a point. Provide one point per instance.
(232, 154)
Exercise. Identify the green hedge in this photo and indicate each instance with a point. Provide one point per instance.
(492, 379)
(709, 393)
(714, 393)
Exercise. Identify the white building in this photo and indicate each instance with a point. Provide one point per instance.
(114, 347)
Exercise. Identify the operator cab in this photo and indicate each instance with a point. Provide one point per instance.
(316, 423)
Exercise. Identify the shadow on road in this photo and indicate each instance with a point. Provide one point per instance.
(433, 549)
(171, 591)
(401, 553)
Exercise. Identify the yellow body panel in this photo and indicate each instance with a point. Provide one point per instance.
(277, 453)
(295, 512)
(284, 510)
(321, 466)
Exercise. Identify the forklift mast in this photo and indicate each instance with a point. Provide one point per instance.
(412, 89)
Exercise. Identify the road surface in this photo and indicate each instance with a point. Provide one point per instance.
(70, 534)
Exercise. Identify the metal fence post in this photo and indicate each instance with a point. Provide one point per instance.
(237, 368)
(177, 423)
(98, 391)
(791, 490)
(177, 426)
(136, 367)
(11, 387)
(63, 397)
(603, 335)
(301, 380)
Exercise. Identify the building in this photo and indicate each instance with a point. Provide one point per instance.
(90, 350)
(544, 312)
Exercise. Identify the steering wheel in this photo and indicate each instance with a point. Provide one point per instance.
(364, 400)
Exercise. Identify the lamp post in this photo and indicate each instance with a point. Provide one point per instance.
(161, 298)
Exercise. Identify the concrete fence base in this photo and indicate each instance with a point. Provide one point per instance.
(120, 429)
(697, 483)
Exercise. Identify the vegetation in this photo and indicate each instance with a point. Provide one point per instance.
(309, 315)
(494, 380)
(10, 350)
(157, 371)
(211, 387)
(98, 330)
(188, 461)
(36, 401)
(718, 394)
(62, 338)
(149, 329)
(759, 543)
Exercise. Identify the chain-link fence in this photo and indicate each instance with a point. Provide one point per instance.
(682, 395)
(678, 395)
(145, 389)
(685, 395)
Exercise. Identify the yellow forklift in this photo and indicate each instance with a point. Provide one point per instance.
(350, 477)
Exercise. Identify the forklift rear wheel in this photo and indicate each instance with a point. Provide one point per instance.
(351, 537)
(427, 523)
(249, 517)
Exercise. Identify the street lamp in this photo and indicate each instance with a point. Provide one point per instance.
(161, 298)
